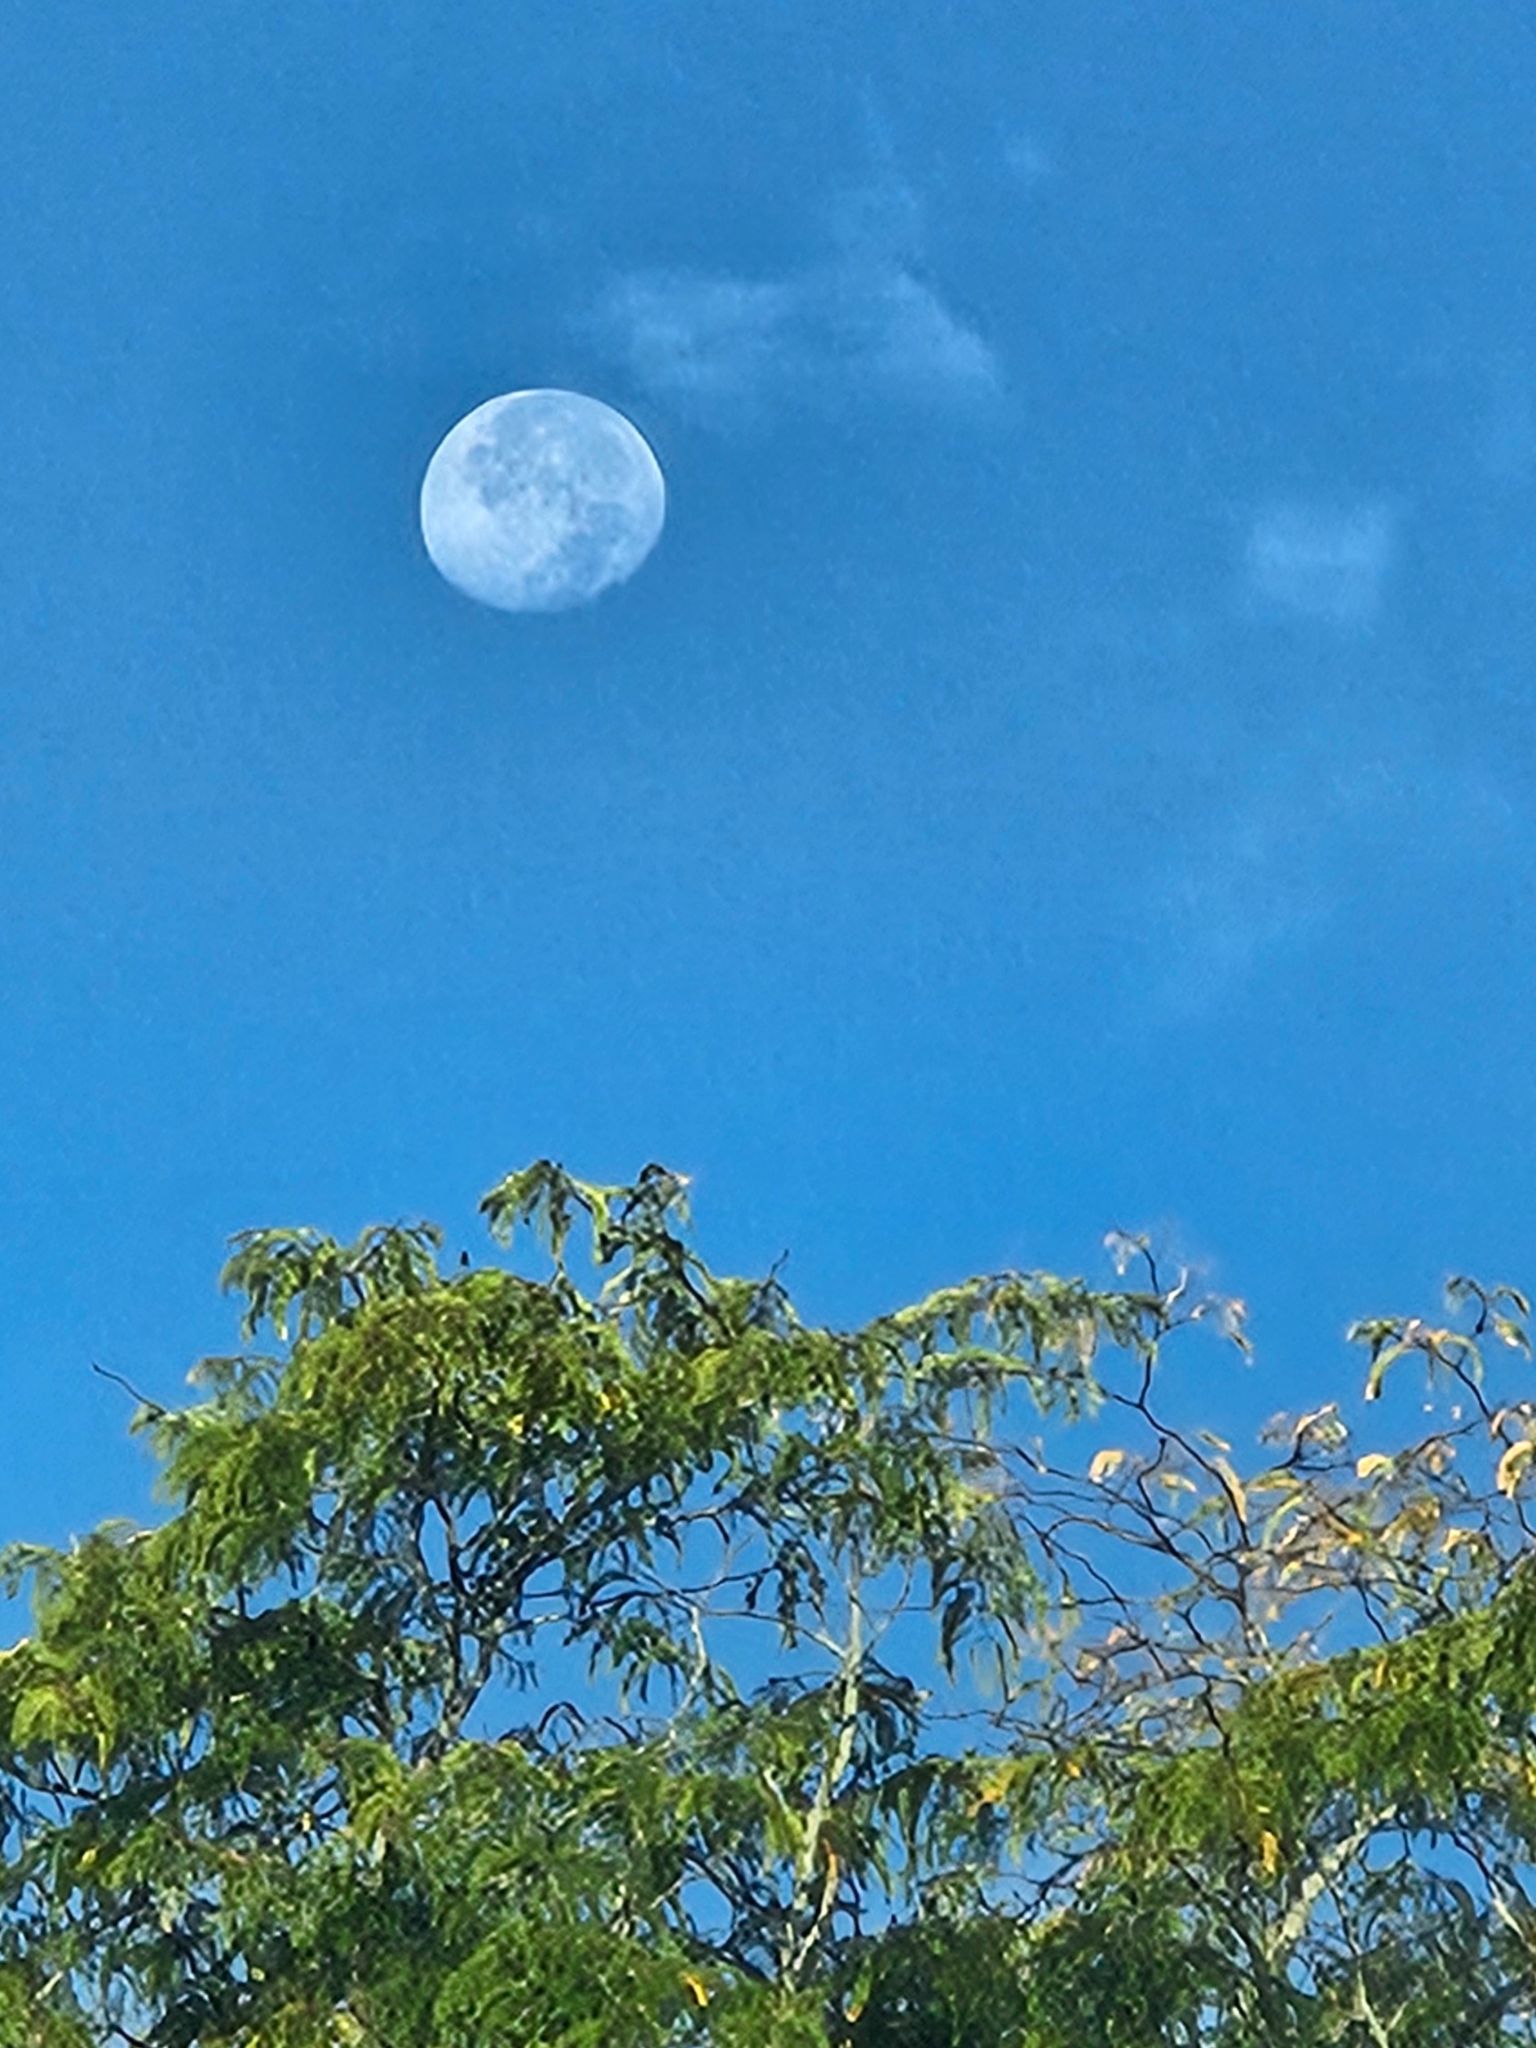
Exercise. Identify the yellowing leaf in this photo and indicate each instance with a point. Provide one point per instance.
(1104, 1463)
(1269, 1852)
(1372, 1462)
(1312, 1418)
(1511, 1465)
(993, 1790)
(697, 1986)
(1234, 1487)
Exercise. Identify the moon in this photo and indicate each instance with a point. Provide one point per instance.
(541, 500)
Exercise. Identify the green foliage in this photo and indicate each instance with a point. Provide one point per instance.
(524, 1661)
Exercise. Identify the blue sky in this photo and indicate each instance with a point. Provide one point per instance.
(1067, 764)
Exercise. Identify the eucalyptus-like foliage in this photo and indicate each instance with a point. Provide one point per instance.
(552, 1660)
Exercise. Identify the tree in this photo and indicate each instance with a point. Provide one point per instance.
(529, 1661)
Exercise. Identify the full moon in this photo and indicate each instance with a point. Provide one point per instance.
(541, 500)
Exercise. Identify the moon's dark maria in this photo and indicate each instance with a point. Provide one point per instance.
(541, 500)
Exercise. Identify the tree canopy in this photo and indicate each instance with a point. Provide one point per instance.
(603, 1653)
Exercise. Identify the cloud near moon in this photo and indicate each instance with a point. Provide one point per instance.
(541, 500)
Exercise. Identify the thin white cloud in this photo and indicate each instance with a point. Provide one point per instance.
(1507, 428)
(866, 319)
(715, 342)
(1028, 161)
(1493, 389)
(1326, 563)
(1270, 875)
(917, 341)
(883, 219)
(1251, 890)
(704, 339)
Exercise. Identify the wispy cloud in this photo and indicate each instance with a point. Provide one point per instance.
(1277, 870)
(703, 339)
(1327, 563)
(1492, 389)
(1028, 161)
(1255, 885)
(865, 317)
(1506, 434)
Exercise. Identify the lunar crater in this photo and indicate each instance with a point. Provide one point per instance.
(541, 500)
